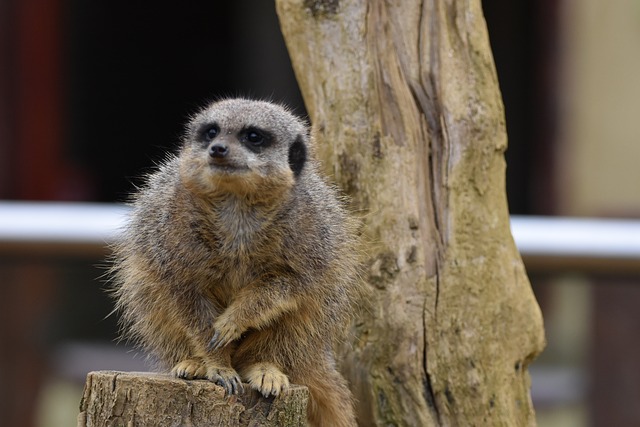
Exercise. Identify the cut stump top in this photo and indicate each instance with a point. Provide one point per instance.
(114, 398)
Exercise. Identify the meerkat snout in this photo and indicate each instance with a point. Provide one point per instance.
(218, 150)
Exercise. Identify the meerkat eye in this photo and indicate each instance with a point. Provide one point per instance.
(255, 137)
(211, 132)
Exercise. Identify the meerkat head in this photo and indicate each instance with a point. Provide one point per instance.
(250, 148)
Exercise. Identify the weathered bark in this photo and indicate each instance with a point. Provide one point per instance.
(404, 101)
(145, 399)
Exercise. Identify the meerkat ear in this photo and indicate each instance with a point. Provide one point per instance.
(297, 156)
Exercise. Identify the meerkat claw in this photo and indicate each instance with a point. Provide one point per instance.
(225, 331)
(228, 388)
(214, 344)
(227, 379)
(218, 341)
(237, 386)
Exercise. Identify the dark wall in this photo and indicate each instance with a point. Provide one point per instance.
(136, 72)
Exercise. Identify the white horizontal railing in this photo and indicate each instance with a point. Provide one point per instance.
(546, 243)
(58, 227)
(589, 244)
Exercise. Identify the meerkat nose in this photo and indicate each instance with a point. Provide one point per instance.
(218, 150)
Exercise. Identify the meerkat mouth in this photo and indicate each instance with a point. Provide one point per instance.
(228, 168)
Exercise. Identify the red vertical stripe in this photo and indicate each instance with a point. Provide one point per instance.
(38, 99)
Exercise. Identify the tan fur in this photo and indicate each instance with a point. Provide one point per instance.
(242, 268)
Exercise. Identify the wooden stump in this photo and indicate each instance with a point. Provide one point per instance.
(148, 399)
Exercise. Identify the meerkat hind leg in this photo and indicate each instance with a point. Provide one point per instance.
(266, 378)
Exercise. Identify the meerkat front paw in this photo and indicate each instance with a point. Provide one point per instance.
(227, 378)
(266, 378)
(225, 331)
(190, 369)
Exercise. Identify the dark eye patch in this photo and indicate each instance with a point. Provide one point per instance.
(255, 139)
(297, 156)
(209, 132)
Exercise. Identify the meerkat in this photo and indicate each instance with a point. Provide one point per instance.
(239, 262)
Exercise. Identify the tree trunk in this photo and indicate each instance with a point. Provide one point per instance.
(145, 399)
(407, 116)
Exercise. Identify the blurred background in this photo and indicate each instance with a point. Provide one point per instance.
(93, 93)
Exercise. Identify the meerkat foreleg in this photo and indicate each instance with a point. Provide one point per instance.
(256, 306)
(196, 361)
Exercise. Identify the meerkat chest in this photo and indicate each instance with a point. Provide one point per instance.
(236, 270)
(242, 230)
